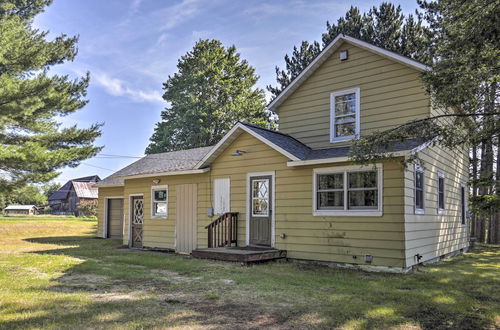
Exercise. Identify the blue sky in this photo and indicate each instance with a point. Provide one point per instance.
(131, 46)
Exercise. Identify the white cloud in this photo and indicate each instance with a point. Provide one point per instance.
(116, 87)
(179, 13)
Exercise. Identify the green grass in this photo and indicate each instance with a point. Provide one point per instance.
(54, 274)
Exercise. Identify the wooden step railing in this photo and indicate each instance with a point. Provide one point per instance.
(223, 230)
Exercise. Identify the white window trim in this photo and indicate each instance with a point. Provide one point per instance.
(229, 192)
(419, 169)
(334, 139)
(153, 188)
(441, 176)
(346, 212)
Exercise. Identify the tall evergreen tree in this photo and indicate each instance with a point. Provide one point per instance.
(213, 89)
(385, 26)
(32, 144)
(464, 83)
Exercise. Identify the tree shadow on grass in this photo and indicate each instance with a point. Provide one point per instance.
(113, 287)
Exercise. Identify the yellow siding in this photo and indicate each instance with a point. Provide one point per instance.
(160, 233)
(104, 193)
(335, 239)
(432, 234)
(391, 94)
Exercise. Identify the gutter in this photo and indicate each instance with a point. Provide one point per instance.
(335, 160)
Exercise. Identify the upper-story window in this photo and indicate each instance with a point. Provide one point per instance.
(344, 115)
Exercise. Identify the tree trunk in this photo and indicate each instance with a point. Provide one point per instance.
(495, 220)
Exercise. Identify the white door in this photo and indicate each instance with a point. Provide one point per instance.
(186, 215)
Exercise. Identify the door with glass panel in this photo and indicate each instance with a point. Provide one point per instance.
(137, 210)
(260, 210)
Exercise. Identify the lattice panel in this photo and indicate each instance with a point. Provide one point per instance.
(138, 212)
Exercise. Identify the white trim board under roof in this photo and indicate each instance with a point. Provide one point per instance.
(325, 54)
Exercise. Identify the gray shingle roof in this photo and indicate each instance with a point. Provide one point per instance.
(158, 163)
(303, 152)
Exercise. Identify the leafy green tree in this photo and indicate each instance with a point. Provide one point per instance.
(49, 188)
(385, 26)
(27, 195)
(32, 143)
(213, 89)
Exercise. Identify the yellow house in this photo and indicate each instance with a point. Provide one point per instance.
(295, 191)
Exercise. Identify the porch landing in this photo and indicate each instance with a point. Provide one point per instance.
(239, 254)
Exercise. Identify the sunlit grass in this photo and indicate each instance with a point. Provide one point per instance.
(55, 274)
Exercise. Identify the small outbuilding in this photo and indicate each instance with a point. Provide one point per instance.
(21, 209)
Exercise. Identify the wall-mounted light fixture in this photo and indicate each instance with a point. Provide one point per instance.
(156, 181)
(238, 153)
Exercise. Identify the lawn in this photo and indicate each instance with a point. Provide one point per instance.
(55, 274)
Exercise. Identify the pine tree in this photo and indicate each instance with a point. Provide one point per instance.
(385, 26)
(32, 143)
(213, 89)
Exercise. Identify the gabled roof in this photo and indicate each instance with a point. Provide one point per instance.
(330, 49)
(296, 151)
(283, 143)
(19, 207)
(166, 163)
(85, 189)
(62, 193)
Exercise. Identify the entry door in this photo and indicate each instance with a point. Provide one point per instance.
(137, 221)
(186, 215)
(260, 210)
(115, 218)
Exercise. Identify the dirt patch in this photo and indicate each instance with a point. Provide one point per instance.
(173, 277)
(118, 296)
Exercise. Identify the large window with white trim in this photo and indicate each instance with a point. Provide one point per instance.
(159, 201)
(351, 190)
(344, 114)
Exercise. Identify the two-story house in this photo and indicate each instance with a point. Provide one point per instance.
(296, 190)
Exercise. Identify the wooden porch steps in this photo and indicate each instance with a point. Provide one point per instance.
(240, 254)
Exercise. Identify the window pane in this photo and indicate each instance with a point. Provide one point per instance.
(331, 199)
(345, 104)
(419, 179)
(160, 208)
(363, 179)
(260, 206)
(419, 199)
(441, 200)
(260, 188)
(345, 129)
(330, 181)
(363, 199)
(160, 195)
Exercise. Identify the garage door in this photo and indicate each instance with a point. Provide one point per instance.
(115, 218)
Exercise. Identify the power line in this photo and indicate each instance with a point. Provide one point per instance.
(102, 168)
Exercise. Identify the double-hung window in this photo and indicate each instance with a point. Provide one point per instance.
(419, 189)
(441, 197)
(159, 201)
(350, 190)
(344, 115)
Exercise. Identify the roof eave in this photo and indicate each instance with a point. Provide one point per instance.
(170, 173)
(323, 56)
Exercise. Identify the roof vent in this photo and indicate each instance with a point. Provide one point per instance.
(344, 55)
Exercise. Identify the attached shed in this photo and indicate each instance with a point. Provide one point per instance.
(20, 209)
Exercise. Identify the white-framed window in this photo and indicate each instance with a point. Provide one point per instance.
(260, 197)
(344, 115)
(441, 193)
(348, 191)
(222, 195)
(463, 204)
(159, 202)
(419, 189)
